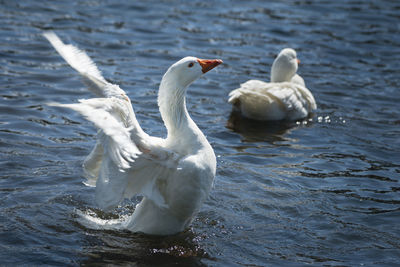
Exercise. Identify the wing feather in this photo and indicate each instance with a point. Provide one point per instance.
(116, 140)
(119, 166)
(82, 63)
(125, 161)
(274, 101)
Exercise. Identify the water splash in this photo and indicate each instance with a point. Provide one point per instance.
(91, 220)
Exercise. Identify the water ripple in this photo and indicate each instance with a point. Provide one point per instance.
(321, 191)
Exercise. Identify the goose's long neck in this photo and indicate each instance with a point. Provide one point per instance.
(282, 70)
(279, 74)
(172, 104)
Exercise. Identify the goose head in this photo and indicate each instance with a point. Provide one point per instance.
(285, 66)
(188, 69)
(181, 74)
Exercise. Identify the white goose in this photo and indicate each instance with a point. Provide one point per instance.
(174, 175)
(284, 98)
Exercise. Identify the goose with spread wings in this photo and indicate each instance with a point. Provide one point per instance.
(174, 175)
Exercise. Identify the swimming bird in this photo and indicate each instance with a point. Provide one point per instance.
(284, 98)
(174, 175)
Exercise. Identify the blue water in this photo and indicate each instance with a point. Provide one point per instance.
(321, 192)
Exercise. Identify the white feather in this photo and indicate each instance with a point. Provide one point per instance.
(174, 175)
(286, 99)
(82, 63)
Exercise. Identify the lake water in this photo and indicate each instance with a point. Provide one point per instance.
(323, 191)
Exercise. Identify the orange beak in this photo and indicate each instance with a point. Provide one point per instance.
(298, 61)
(208, 64)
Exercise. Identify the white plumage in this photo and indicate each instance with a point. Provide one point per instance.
(174, 175)
(284, 98)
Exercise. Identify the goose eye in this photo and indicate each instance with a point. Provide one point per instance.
(190, 65)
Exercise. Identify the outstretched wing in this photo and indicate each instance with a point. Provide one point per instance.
(106, 113)
(121, 166)
(125, 161)
(82, 63)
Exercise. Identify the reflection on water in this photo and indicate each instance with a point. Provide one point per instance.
(322, 191)
(253, 130)
(116, 247)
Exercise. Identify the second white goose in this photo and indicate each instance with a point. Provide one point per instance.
(284, 98)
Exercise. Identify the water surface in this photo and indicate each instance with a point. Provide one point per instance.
(323, 191)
